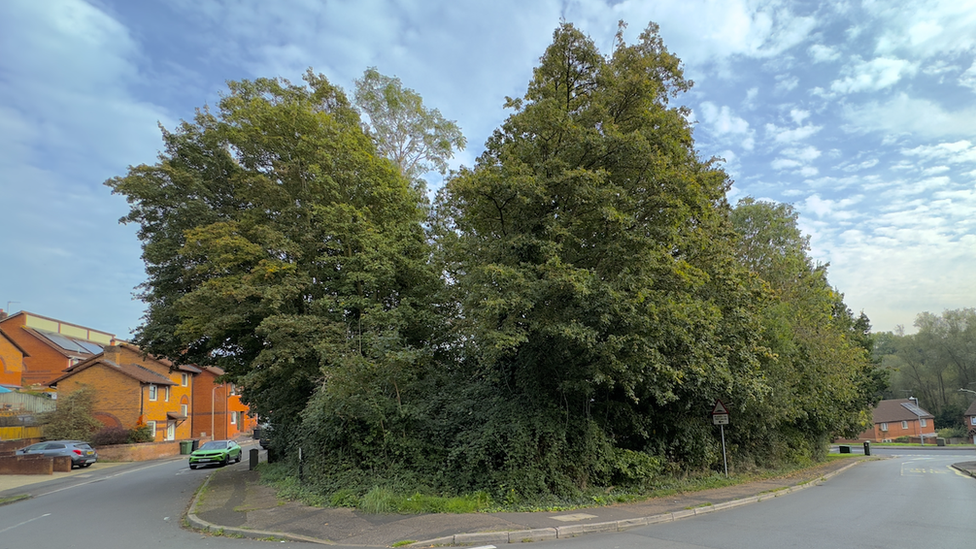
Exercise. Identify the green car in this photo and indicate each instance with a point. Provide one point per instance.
(216, 452)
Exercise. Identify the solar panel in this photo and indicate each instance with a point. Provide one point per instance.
(910, 406)
(92, 348)
(64, 342)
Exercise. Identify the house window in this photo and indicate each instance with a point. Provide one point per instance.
(183, 410)
(233, 418)
(171, 430)
(153, 392)
(923, 422)
(904, 425)
(166, 398)
(152, 428)
(184, 379)
(972, 420)
(884, 426)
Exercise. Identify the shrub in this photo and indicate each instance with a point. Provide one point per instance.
(111, 435)
(140, 433)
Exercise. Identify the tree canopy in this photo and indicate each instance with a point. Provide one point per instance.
(565, 317)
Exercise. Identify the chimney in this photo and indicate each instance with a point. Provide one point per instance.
(3, 314)
(112, 353)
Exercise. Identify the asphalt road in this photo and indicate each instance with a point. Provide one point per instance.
(910, 500)
(120, 508)
(913, 499)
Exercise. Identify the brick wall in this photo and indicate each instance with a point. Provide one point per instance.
(11, 363)
(44, 363)
(33, 465)
(138, 452)
(115, 393)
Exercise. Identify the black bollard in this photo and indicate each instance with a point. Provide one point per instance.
(867, 447)
(252, 459)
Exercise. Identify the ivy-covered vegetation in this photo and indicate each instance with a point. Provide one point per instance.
(562, 317)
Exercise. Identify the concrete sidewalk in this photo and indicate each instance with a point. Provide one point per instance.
(234, 501)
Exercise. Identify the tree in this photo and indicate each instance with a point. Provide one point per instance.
(935, 362)
(415, 138)
(73, 419)
(594, 257)
(818, 367)
(280, 246)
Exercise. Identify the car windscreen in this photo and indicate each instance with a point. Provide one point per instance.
(214, 446)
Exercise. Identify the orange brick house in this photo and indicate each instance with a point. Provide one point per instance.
(11, 362)
(50, 346)
(900, 418)
(131, 387)
(217, 411)
(970, 418)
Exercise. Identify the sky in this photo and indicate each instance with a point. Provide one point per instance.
(862, 115)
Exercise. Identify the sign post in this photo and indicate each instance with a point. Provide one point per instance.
(720, 417)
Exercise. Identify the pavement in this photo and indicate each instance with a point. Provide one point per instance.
(232, 501)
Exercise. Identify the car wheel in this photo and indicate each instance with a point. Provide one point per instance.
(238, 460)
(225, 461)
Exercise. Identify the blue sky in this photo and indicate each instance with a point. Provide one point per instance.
(860, 114)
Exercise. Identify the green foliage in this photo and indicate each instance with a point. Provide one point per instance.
(415, 138)
(934, 363)
(140, 433)
(73, 419)
(554, 332)
(110, 435)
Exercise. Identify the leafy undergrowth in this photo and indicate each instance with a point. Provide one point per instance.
(387, 500)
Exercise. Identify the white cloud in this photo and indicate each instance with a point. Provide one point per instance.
(873, 75)
(806, 154)
(903, 114)
(785, 83)
(785, 164)
(820, 53)
(956, 152)
(799, 115)
(968, 78)
(721, 119)
(787, 135)
(924, 28)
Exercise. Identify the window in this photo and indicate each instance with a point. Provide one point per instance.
(153, 392)
(233, 418)
(972, 420)
(884, 426)
(152, 429)
(183, 410)
(904, 425)
(184, 379)
(166, 398)
(924, 423)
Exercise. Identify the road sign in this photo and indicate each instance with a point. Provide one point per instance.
(720, 414)
(720, 417)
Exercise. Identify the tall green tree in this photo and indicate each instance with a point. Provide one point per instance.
(819, 369)
(595, 260)
(416, 138)
(280, 245)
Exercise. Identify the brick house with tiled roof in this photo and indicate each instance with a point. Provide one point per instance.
(132, 387)
(970, 418)
(900, 418)
(51, 345)
(218, 412)
(11, 362)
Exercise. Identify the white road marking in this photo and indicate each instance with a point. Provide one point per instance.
(7, 529)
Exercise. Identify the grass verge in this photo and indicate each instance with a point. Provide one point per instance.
(388, 500)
